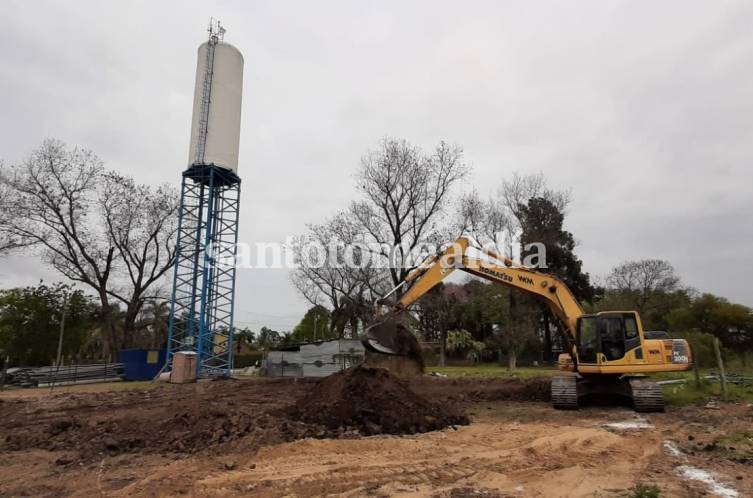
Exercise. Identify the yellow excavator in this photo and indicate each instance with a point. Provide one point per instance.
(607, 351)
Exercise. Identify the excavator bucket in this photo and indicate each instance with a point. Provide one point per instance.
(389, 336)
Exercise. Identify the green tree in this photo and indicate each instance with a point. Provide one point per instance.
(731, 323)
(243, 336)
(30, 319)
(469, 313)
(351, 311)
(527, 207)
(268, 338)
(436, 317)
(542, 222)
(702, 345)
(513, 322)
(461, 342)
(314, 326)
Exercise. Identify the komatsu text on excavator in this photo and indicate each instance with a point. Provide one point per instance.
(606, 351)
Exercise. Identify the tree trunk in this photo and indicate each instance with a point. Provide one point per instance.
(108, 325)
(547, 340)
(442, 347)
(129, 326)
(340, 329)
(512, 360)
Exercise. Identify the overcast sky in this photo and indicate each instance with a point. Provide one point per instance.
(643, 109)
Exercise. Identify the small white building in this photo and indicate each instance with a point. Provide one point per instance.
(317, 359)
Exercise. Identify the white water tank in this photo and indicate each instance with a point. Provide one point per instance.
(216, 122)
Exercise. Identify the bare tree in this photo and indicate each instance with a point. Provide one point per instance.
(518, 190)
(644, 281)
(487, 221)
(346, 289)
(9, 242)
(405, 192)
(141, 223)
(499, 218)
(94, 227)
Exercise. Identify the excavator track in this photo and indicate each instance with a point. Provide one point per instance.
(647, 395)
(565, 392)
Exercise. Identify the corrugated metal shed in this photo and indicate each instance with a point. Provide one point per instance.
(318, 359)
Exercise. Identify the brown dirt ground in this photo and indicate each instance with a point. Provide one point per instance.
(237, 438)
(373, 401)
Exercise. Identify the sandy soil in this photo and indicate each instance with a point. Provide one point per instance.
(241, 447)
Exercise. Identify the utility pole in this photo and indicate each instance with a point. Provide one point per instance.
(316, 321)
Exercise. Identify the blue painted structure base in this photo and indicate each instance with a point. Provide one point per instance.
(142, 364)
(201, 311)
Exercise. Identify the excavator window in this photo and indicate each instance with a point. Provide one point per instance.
(611, 334)
(631, 327)
(588, 339)
(613, 337)
(632, 337)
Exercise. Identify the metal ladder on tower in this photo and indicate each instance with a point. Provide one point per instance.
(206, 96)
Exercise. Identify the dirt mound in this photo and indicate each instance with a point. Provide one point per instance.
(212, 417)
(533, 389)
(373, 401)
(464, 390)
(201, 429)
(176, 420)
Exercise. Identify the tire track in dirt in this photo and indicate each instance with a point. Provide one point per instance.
(542, 458)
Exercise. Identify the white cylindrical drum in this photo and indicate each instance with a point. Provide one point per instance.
(216, 122)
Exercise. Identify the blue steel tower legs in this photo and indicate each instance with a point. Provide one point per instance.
(203, 294)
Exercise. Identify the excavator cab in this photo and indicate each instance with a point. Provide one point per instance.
(612, 342)
(606, 337)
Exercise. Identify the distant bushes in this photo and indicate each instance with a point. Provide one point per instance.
(247, 360)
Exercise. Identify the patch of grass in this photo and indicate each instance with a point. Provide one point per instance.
(689, 394)
(643, 491)
(737, 446)
(677, 394)
(492, 370)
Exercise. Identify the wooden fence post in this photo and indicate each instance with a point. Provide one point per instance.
(720, 364)
(696, 373)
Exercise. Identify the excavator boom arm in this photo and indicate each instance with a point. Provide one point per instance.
(490, 266)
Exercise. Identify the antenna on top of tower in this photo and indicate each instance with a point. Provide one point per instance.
(216, 31)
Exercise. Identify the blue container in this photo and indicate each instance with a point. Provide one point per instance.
(142, 364)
